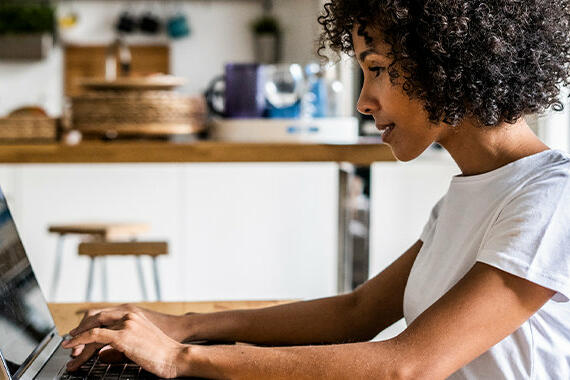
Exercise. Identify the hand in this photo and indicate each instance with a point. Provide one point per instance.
(171, 325)
(137, 338)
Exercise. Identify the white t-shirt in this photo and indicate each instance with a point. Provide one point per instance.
(515, 218)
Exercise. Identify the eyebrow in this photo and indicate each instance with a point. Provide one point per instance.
(362, 56)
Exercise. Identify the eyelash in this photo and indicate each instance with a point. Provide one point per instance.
(376, 69)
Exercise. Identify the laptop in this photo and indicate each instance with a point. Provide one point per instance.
(30, 345)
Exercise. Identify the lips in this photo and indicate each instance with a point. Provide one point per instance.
(385, 129)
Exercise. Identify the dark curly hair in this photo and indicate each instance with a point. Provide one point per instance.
(494, 60)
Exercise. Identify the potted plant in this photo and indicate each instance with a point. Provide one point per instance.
(26, 30)
(267, 32)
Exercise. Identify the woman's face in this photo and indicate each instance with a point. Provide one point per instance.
(404, 121)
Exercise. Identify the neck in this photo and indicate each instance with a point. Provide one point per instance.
(478, 150)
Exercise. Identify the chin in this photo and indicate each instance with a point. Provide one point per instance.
(405, 155)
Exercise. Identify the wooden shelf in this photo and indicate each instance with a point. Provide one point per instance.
(363, 153)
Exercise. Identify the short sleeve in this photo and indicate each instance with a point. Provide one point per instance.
(531, 235)
(429, 227)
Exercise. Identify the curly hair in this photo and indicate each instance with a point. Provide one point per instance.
(493, 61)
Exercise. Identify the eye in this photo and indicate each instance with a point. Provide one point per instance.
(376, 69)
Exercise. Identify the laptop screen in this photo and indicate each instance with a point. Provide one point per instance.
(25, 319)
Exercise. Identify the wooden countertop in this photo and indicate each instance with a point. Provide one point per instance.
(363, 153)
(68, 315)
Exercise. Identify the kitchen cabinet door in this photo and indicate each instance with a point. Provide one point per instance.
(261, 231)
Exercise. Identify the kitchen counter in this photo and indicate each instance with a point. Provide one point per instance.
(365, 152)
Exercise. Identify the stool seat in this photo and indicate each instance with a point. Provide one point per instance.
(130, 248)
(100, 232)
(101, 249)
(107, 231)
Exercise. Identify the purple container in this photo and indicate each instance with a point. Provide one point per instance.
(243, 95)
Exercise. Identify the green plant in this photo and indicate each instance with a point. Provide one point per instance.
(265, 25)
(26, 18)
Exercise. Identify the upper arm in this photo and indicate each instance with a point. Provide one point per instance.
(380, 299)
(483, 308)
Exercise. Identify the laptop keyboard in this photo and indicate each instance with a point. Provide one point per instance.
(94, 369)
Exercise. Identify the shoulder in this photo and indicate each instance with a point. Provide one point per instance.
(545, 180)
(530, 236)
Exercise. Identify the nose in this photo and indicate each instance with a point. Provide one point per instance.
(367, 104)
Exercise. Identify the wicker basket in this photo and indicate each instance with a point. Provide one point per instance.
(28, 129)
(137, 113)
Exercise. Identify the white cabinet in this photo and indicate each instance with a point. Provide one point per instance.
(403, 195)
(261, 230)
(236, 231)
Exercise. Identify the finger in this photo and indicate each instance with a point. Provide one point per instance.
(88, 351)
(86, 314)
(109, 355)
(104, 318)
(95, 335)
(76, 351)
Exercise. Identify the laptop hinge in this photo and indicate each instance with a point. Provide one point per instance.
(38, 359)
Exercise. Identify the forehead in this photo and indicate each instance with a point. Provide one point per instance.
(364, 47)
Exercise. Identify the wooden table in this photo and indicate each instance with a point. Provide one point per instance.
(68, 315)
(361, 154)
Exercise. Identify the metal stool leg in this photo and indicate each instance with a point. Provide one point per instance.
(90, 279)
(141, 278)
(57, 267)
(104, 277)
(156, 278)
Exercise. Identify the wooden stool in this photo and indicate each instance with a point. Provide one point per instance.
(94, 231)
(102, 249)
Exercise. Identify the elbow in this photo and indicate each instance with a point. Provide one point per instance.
(405, 371)
(397, 371)
(415, 368)
(406, 364)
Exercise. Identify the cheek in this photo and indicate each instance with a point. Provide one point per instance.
(394, 98)
(413, 113)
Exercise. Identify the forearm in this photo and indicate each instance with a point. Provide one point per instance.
(357, 316)
(326, 320)
(378, 360)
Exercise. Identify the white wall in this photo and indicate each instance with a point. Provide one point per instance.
(554, 127)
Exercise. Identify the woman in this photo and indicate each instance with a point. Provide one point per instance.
(485, 288)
